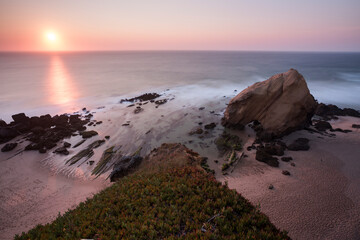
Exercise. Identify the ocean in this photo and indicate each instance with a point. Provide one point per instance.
(40, 83)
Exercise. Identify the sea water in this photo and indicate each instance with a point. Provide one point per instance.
(40, 83)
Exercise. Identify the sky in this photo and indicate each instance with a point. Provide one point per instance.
(260, 25)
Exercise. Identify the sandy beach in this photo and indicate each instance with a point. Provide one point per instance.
(321, 197)
(320, 200)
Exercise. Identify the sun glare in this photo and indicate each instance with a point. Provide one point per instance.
(51, 36)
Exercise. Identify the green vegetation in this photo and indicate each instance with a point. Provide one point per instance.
(85, 153)
(206, 166)
(225, 167)
(105, 158)
(228, 142)
(184, 203)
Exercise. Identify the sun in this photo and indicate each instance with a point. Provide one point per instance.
(51, 36)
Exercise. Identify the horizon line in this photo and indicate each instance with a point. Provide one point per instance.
(174, 50)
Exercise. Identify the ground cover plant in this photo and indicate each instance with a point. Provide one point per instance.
(185, 203)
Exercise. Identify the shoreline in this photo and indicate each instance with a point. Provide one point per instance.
(154, 126)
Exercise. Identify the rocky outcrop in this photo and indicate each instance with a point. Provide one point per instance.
(330, 111)
(281, 104)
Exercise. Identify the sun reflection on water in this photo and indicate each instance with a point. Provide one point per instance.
(62, 90)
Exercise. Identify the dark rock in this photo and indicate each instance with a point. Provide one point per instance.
(62, 151)
(323, 126)
(292, 164)
(79, 143)
(271, 186)
(37, 130)
(263, 156)
(7, 133)
(8, 147)
(74, 119)
(91, 162)
(201, 108)
(61, 120)
(107, 137)
(20, 118)
(355, 126)
(45, 121)
(88, 134)
(99, 122)
(286, 173)
(35, 122)
(286, 159)
(210, 126)
(2, 123)
(32, 146)
(138, 110)
(84, 109)
(328, 111)
(340, 130)
(300, 144)
(90, 124)
(274, 149)
(67, 145)
(125, 165)
(125, 124)
(42, 150)
(161, 101)
(143, 97)
(49, 144)
(197, 131)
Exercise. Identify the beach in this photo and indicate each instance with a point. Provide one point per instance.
(315, 201)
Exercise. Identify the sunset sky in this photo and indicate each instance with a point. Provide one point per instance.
(297, 25)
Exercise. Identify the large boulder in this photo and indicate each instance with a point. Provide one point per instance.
(281, 104)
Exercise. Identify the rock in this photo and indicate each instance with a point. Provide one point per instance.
(99, 122)
(143, 97)
(20, 118)
(201, 108)
(37, 130)
(355, 126)
(88, 134)
(91, 162)
(300, 144)
(286, 159)
(49, 144)
(32, 146)
(67, 145)
(107, 137)
(323, 126)
(210, 126)
(42, 150)
(62, 151)
(286, 173)
(292, 164)
(274, 149)
(263, 156)
(7, 133)
(2, 123)
(271, 186)
(197, 131)
(161, 101)
(61, 120)
(125, 165)
(138, 110)
(281, 104)
(45, 121)
(329, 111)
(8, 147)
(340, 130)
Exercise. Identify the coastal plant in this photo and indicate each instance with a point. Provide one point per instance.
(182, 203)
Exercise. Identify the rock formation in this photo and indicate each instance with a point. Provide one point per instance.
(281, 104)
